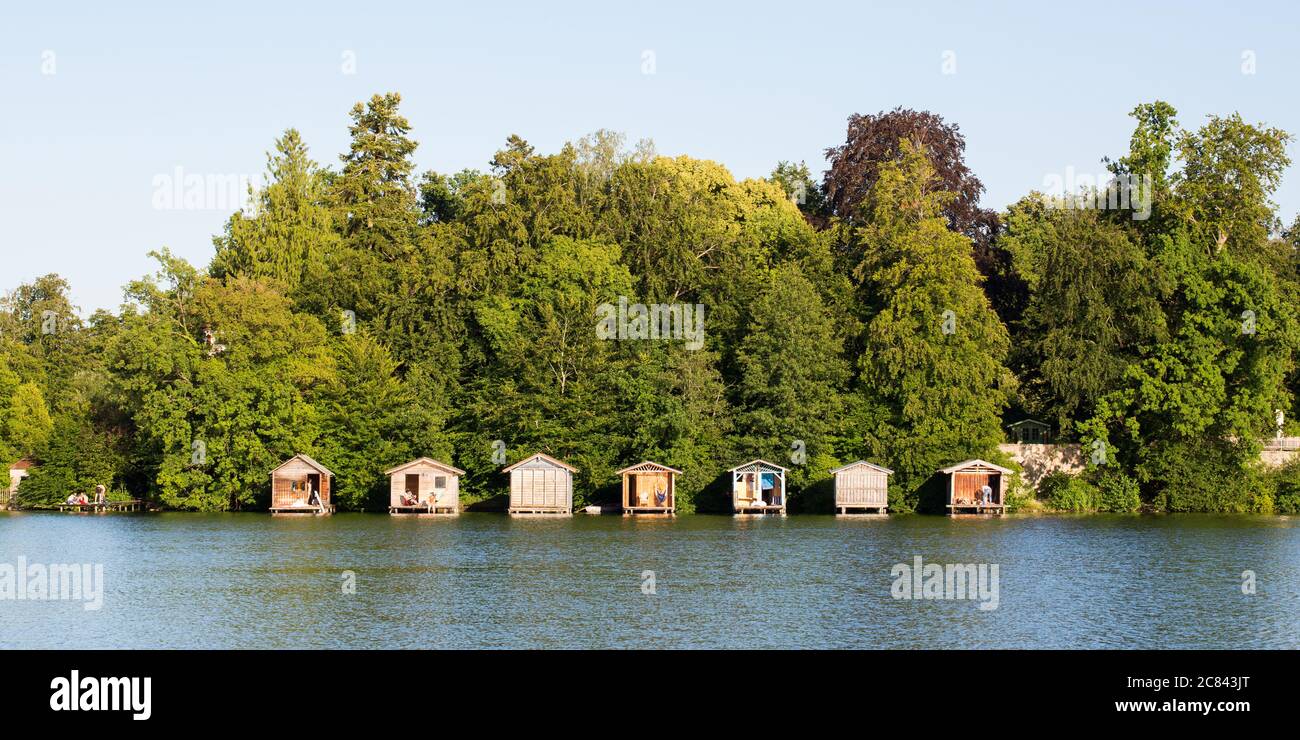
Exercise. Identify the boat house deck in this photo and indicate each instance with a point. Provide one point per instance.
(976, 487)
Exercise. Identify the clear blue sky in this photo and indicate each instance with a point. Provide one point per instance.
(136, 92)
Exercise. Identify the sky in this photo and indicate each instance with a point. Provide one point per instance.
(101, 107)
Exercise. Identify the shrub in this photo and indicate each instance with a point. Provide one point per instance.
(1020, 497)
(1065, 492)
(1206, 477)
(1117, 492)
(1285, 485)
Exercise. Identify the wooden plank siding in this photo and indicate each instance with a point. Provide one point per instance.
(861, 485)
(541, 485)
(965, 480)
(437, 487)
(291, 485)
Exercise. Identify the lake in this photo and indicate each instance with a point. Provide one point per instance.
(248, 580)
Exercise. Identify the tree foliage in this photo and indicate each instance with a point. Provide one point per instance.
(368, 313)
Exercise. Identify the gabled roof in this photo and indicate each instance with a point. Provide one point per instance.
(647, 466)
(1034, 422)
(426, 461)
(546, 458)
(324, 470)
(22, 464)
(758, 463)
(873, 466)
(974, 464)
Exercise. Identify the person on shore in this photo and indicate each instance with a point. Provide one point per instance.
(101, 494)
(986, 494)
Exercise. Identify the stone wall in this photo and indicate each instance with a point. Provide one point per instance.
(1040, 460)
(1279, 451)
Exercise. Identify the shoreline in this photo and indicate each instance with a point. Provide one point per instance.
(1035, 514)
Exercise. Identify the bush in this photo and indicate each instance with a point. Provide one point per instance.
(1020, 496)
(1206, 477)
(1117, 492)
(1065, 492)
(1285, 485)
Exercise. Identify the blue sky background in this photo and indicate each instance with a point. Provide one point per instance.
(138, 91)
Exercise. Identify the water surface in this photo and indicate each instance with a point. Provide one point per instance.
(180, 580)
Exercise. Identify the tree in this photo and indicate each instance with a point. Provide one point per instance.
(291, 233)
(931, 372)
(1208, 392)
(29, 423)
(800, 187)
(375, 208)
(873, 142)
(76, 456)
(792, 373)
(371, 420)
(374, 191)
(1230, 169)
(548, 374)
(1091, 311)
(220, 381)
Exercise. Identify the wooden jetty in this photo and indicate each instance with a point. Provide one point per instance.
(134, 504)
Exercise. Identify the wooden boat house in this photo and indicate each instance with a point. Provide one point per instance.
(861, 486)
(1030, 431)
(649, 488)
(541, 485)
(976, 487)
(424, 486)
(300, 485)
(758, 487)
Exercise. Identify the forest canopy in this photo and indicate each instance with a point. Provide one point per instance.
(366, 314)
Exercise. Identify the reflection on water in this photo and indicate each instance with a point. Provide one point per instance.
(489, 581)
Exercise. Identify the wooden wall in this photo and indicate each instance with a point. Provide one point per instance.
(282, 494)
(541, 485)
(861, 486)
(448, 495)
(639, 489)
(967, 483)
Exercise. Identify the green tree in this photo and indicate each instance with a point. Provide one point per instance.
(376, 208)
(370, 420)
(221, 381)
(74, 457)
(29, 423)
(792, 374)
(291, 233)
(1091, 311)
(931, 372)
